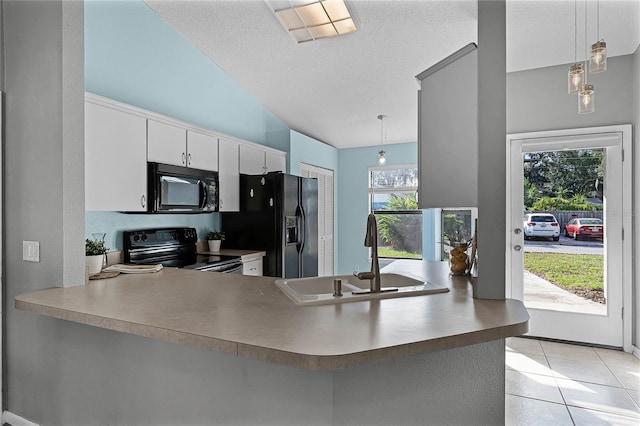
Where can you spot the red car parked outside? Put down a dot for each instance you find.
(589, 227)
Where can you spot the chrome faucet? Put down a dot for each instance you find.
(371, 240)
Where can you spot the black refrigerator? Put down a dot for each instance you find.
(278, 214)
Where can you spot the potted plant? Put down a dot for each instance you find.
(215, 238)
(95, 251)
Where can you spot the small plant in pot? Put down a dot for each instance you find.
(95, 251)
(215, 239)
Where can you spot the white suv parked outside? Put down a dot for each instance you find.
(541, 225)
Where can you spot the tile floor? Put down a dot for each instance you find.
(550, 383)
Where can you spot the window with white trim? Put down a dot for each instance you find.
(393, 199)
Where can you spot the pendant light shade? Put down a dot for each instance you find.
(586, 99)
(576, 76)
(381, 158)
(598, 62)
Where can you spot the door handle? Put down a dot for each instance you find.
(517, 231)
(517, 247)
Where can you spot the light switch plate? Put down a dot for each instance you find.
(31, 251)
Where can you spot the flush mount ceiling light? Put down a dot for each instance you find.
(313, 20)
(381, 153)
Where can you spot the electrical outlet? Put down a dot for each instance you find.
(31, 251)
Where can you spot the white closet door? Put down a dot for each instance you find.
(325, 215)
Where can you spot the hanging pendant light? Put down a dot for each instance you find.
(586, 99)
(576, 71)
(381, 153)
(587, 95)
(598, 62)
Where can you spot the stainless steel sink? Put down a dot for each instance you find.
(319, 290)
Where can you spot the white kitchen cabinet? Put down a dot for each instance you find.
(176, 145)
(202, 151)
(275, 162)
(229, 175)
(257, 161)
(252, 161)
(253, 267)
(166, 143)
(115, 160)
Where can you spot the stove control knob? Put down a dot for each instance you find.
(136, 238)
(144, 237)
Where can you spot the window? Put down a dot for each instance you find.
(457, 227)
(393, 199)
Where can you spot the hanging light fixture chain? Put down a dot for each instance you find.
(598, 20)
(586, 43)
(575, 31)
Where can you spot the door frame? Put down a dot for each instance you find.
(626, 211)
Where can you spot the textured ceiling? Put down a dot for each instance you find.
(333, 89)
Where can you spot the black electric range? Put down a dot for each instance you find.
(174, 247)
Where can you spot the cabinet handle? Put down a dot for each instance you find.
(183, 158)
(143, 201)
(189, 161)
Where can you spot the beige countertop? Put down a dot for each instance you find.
(249, 316)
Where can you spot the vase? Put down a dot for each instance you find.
(458, 259)
(214, 245)
(94, 263)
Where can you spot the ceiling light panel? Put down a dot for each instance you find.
(312, 14)
(336, 10)
(345, 26)
(312, 20)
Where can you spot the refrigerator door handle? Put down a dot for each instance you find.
(301, 228)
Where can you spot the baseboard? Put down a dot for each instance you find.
(636, 352)
(16, 420)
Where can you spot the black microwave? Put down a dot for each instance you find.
(176, 189)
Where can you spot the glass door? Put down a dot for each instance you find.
(565, 246)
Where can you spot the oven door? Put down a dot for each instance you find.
(228, 268)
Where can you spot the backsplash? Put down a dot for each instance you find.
(114, 223)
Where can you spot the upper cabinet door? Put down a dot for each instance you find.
(115, 160)
(202, 151)
(229, 176)
(166, 144)
(276, 162)
(251, 160)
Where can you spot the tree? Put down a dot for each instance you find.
(566, 173)
(401, 231)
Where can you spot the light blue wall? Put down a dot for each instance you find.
(114, 223)
(133, 56)
(353, 168)
(304, 149)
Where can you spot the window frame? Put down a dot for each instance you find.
(371, 191)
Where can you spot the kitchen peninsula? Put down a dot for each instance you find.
(393, 361)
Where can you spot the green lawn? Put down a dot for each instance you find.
(579, 271)
(389, 252)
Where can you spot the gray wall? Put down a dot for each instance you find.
(537, 100)
(43, 177)
(636, 201)
(491, 150)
